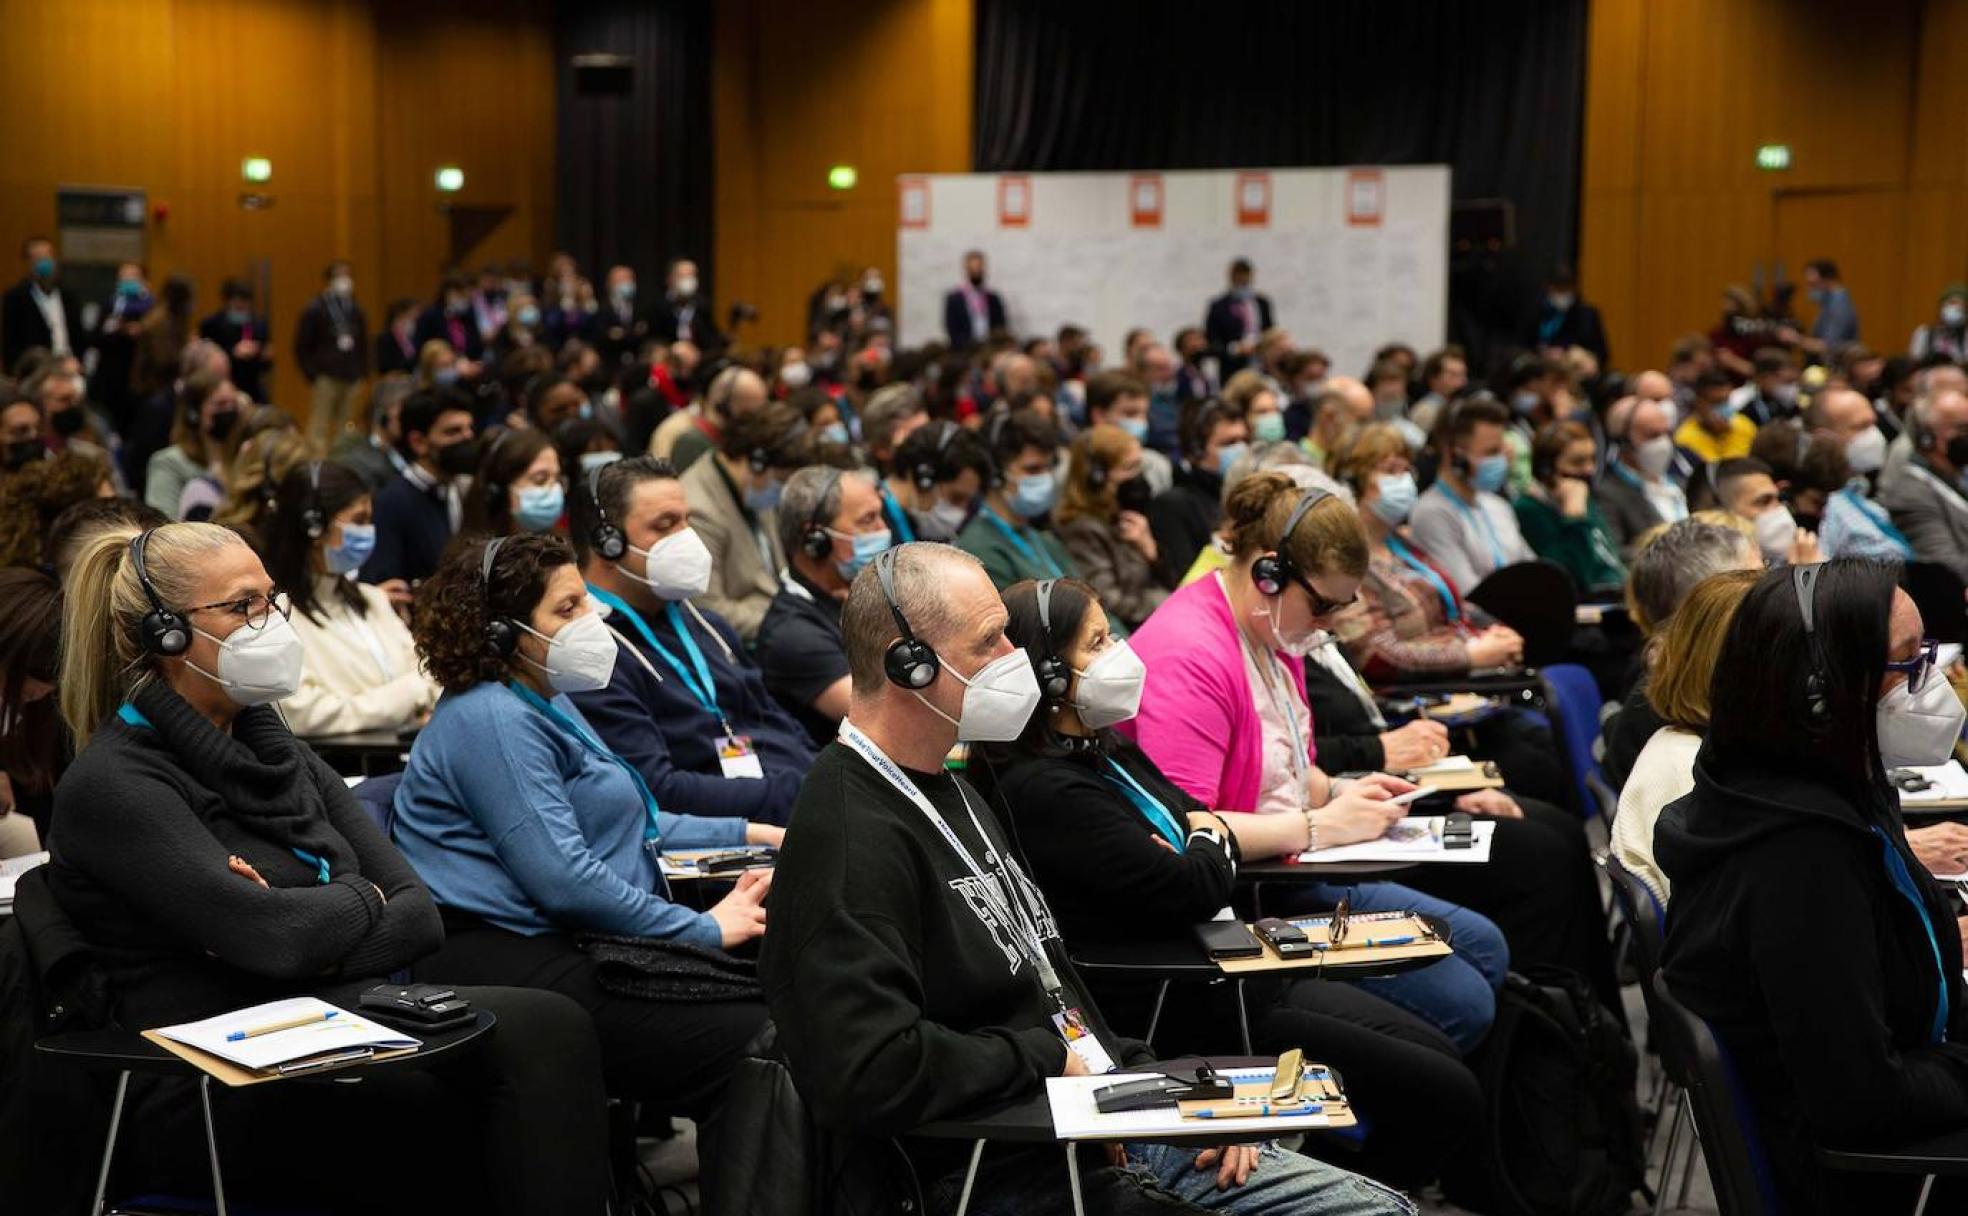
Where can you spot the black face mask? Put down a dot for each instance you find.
(222, 424)
(1957, 451)
(977, 280)
(458, 458)
(21, 453)
(1133, 495)
(68, 422)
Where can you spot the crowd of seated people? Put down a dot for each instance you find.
(603, 580)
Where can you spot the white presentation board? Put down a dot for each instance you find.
(1352, 258)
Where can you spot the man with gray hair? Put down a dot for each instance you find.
(830, 527)
(914, 971)
(1928, 495)
(1663, 573)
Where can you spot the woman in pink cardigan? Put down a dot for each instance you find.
(1223, 715)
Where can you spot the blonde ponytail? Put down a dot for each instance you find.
(102, 660)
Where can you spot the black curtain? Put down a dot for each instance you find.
(635, 169)
(1493, 88)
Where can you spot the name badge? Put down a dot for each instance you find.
(345, 342)
(1081, 1041)
(737, 759)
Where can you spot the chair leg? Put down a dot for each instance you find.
(1667, 1162)
(1926, 1189)
(1073, 1178)
(212, 1143)
(1688, 1164)
(1155, 1014)
(1243, 1016)
(109, 1141)
(970, 1177)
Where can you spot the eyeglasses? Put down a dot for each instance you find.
(1336, 928)
(1321, 606)
(255, 609)
(1919, 666)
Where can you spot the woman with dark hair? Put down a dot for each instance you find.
(210, 861)
(360, 668)
(518, 487)
(532, 834)
(586, 444)
(1074, 789)
(1804, 930)
(1103, 522)
(204, 436)
(33, 748)
(32, 498)
(1559, 516)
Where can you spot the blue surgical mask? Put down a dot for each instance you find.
(1492, 472)
(1524, 403)
(834, 432)
(1819, 295)
(1268, 428)
(765, 497)
(358, 542)
(867, 547)
(1228, 455)
(539, 507)
(446, 376)
(44, 268)
(239, 316)
(529, 315)
(1727, 410)
(1137, 428)
(590, 461)
(1033, 496)
(129, 289)
(1396, 497)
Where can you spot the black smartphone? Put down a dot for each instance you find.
(1457, 831)
(1286, 938)
(1227, 939)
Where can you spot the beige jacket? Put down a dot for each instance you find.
(358, 673)
(745, 560)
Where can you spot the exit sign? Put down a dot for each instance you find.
(1773, 157)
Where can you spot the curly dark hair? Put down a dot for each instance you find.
(32, 498)
(453, 605)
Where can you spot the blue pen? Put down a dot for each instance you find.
(1258, 1111)
(1406, 939)
(275, 1027)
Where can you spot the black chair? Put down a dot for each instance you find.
(1640, 932)
(1724, 1121)
(1936, 591)
(1536, 599)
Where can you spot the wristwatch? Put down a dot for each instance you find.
(1311, 831)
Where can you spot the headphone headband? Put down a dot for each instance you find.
(500, 636)
(816, 539)
(1804, 582)
(1274, 570)
(1055, 675)
(908, 662)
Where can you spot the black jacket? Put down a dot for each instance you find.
(318, 346)
(249, 375)
(956, 318)
(436, 325)
(1183, 518)
(1788, 934)
(22, 326)
(1223, 327)
(1346, 739)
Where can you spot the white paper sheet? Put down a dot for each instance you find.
(1416, 838)
(339, 1033)
(1075, 1118)
(1947, 781)
(11, 870)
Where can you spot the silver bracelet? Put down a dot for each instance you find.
(1311, 832)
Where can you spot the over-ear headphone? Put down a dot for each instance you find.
(1273, 572)
(1817, 697)
(1096, 473)
(815, 539)
(1055, 674)
(1921, 434)
(760, 459)
(267, 486)
(604, 537)
(996, 479)
(162, 631)
(927, 473)
(501, 638)
(314, 521)
(909, 662)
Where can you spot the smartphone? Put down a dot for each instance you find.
(1227, 939)
(1284, 1082)
(1284, 937)
(1419, 791)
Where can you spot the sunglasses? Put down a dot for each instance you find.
(1321, 606)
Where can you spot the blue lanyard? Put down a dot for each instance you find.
(1896, 871)
(1880, 520)
(1633, 479)
(134, 717)
(654, 831)
(1449, 605)
(697, 676)
(898, 517)
(1032, 552)
(1151, 807)
(1482, 520)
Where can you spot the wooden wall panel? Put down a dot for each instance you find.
(356, 102)
(1680, 93)
(799, 86)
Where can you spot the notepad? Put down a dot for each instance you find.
(10, 872)
(1415, 838)
(333, 1035)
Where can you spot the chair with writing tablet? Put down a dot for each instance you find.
(1537, 599)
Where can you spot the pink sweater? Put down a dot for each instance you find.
(1198, 721)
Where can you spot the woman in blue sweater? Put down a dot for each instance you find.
(530, 833)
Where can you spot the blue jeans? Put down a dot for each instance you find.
(1456, 995)
(1162, 1179)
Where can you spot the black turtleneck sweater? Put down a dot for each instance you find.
(149, 813)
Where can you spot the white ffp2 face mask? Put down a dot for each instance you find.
(580, 657)
(676, 567)
(997, 702)
(1919, 729)
(1776, 528)
(257, 666)
(1110, 687)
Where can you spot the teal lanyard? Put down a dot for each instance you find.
(1872, 511)
(697, 676)
(1633, 479)
(653, 832)
(897, 517)
(1151, 807)
(134, 717)
(1902, 880)
(1481, 519)
(1033, 553)
(1450, 608)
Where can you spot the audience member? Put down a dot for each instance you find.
(1119, 399)
(972, 312)
(34, 749)
(684, 704)
(1444, 376)
(1928, 499)
(1946, 336)
(419, 511)
(35, 312)
(252, 874)
(448, 319)
(519, 486)
(1564, 321)
(684, 313)
(375, 454)
(331, 347)
(1837, 322)
(1103, 523)
(1715, 429)
(203, 441)
(1185, 517)
(270, 446)
(1849, 524)
(1020, 493)
(241, 333)
(396, 343)
(1747, 489)
(1637, 492)
(734, 496)
(359, 669)
(1234, 320)
(32, 498)
(1771, 393)
(535, 837)
(1559, 514)
(1462, 521)
(831, 525)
